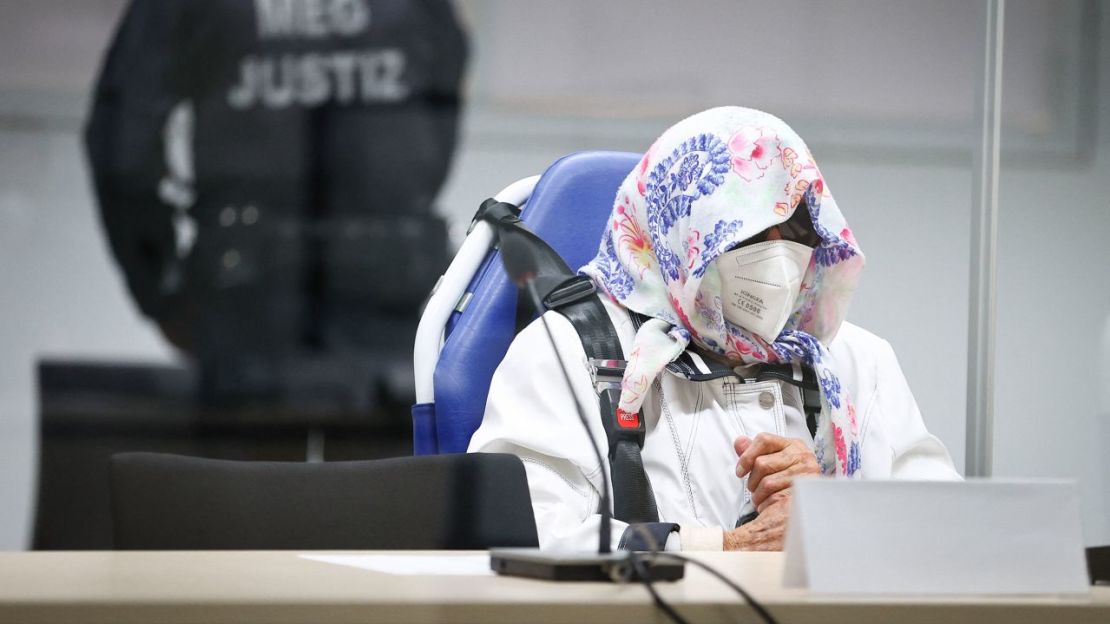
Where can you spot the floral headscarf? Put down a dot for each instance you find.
(708, 183)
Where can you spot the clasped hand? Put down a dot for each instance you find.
(771, 464)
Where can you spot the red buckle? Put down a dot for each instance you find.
(628, 420)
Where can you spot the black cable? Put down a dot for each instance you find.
(645, 575)
(762, 611)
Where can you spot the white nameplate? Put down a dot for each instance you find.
(918, 537)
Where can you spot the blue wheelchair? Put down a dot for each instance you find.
(469, 320)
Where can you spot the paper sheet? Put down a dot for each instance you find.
(443, 565)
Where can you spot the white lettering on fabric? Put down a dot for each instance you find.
(314, 78)
(312, 19)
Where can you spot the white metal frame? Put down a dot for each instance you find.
(984, 235)
(452, 287)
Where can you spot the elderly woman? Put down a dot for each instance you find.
(725, 252)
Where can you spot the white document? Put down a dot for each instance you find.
(917, 537)
(445, 565)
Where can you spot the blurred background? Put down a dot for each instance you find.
(883, 91)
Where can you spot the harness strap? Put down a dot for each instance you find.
(633, 500)
(575, 297)
(803, 377)
(551, 269)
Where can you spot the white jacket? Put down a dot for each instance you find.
(691, 425)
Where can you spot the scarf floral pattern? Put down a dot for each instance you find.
(708, 183)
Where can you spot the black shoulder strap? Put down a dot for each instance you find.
(575, 297)
(551, 269)
(633, 500)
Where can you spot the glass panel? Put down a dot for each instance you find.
(252, 182)
(1053, 360)
(881, 91)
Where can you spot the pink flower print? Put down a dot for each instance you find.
(631, 239)
(682, 316)
(799, 190)
(753, 150)
(788, 157)
(781, 208)
(641, 179)
(761, 350)
(622, 210)
(735, 348)
(641, 175)
(632, 388)
(790, 162)
(693, 249)
(852, 414)
(841, 448)
(847, 235)
(634, 383)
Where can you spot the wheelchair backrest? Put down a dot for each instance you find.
(568, 208)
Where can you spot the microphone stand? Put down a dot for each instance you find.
(604, 539)
(521, 265)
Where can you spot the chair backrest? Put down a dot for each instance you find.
(172, 502)
(568, 208)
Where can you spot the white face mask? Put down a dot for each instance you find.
(760, 284)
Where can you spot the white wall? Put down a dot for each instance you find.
(898, 168)
(1052, 402)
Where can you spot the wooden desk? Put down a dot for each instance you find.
(279, 587)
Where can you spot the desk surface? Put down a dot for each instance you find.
(280, 587)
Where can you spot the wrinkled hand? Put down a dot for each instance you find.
(772, 463)
(765, 532)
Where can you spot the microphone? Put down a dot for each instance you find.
(522, 266)
(520, 256)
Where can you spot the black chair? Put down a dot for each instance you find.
(172, 502)
(1098, 565)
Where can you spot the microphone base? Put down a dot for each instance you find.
(582, 566)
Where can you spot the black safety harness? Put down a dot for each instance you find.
(575, 297)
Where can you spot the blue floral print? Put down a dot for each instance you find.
(830, 387)
(853, 458)
(714, 242)
(793, 345)
(833, 248)
(694, 169)
(613, 273)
